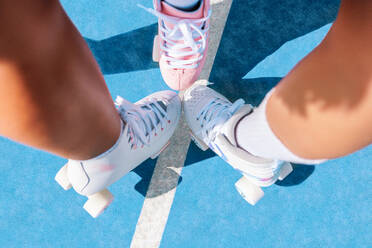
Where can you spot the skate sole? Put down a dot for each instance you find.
(250, 191)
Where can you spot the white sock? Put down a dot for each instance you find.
(254, 135)
(184, 4)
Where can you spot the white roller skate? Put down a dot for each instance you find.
(212, 119)
(148, 126)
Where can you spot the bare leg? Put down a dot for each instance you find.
(53, 95)
(323, 108)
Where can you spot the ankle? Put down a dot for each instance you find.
(99, 143)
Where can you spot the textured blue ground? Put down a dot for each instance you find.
(323, 206)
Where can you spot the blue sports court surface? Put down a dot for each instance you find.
(187, 198)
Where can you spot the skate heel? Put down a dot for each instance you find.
(161, 150)
(62, 178)
(156, 49)
(285, 171)
(249, 191)
(98, 202)
(199, 142)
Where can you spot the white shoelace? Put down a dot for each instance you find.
(214, 114)
(142, 120)
(188, 37)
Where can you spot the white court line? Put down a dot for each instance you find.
(162, 188)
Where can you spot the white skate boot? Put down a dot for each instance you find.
(212, 119)
(148, 126)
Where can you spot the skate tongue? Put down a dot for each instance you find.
(172, 11)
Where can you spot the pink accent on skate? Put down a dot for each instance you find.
(182, 78)
(106, 168)
(266, 179)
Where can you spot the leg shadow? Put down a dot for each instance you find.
(256, 29)
(299, 174)
(126, 52)
(145, 171)
(195, 154)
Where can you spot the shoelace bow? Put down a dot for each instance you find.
(142, 120)
(188, 37)
(214, 114)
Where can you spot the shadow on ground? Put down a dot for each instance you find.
(256, 29)
(126, 52)
(300, 173)
(146, 170)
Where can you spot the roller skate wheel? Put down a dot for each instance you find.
(199, 142)
(285, 171)
(98, 202)
(156, 49)
(62, 178)
(249, 191)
